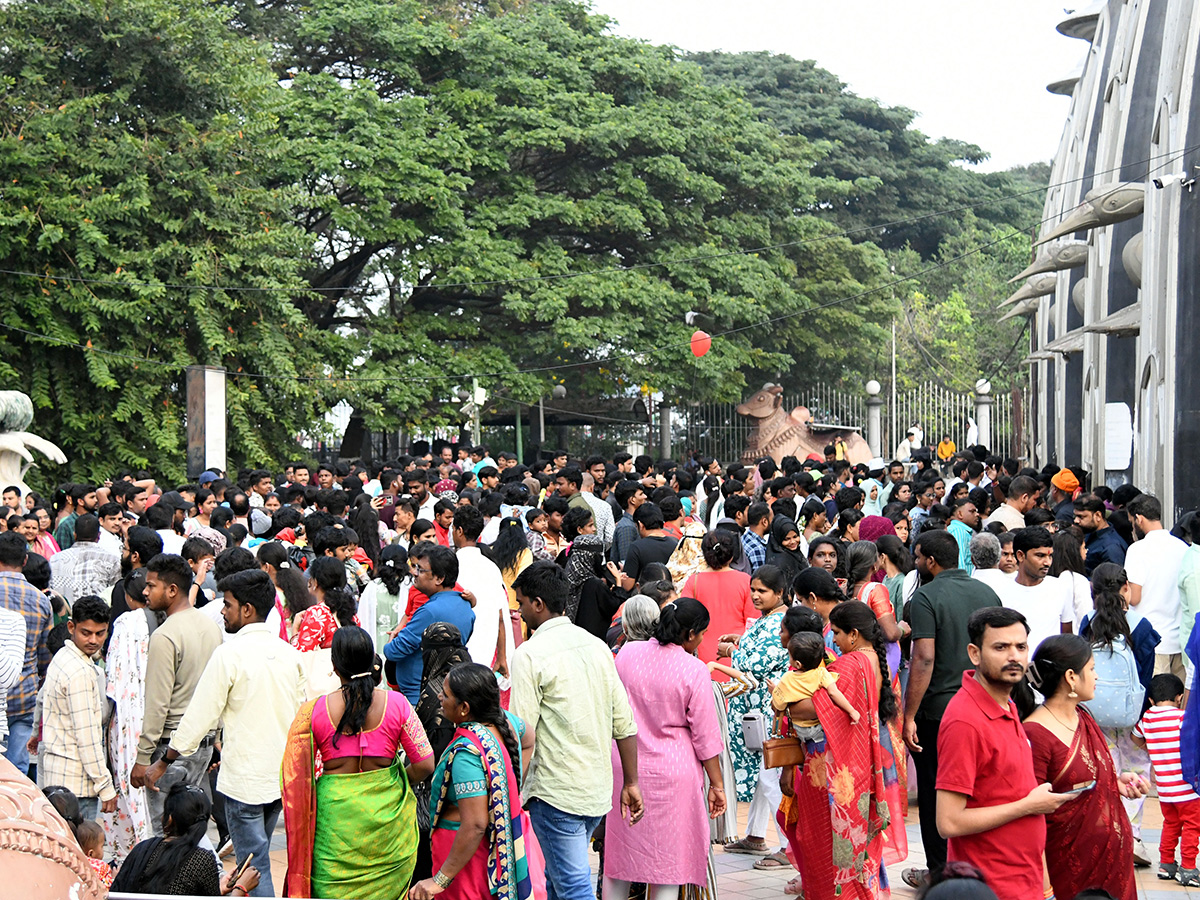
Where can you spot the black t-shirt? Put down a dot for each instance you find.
(651, 549)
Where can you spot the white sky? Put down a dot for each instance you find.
(975, 70)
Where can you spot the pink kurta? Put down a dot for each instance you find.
(672, 699)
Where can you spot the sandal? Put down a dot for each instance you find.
(794, 888)
(777, 860)
(751, 848)
(915, 878)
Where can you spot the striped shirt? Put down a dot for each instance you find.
(1160, 730)
(20, 596)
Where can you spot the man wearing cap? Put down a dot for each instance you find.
(1063, 488)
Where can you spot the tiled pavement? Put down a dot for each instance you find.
(739, 880)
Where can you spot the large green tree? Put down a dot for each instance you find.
(953, 234)
(139, 149)
(530, 197)
(898, 174)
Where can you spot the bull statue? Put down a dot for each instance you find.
(777, 433)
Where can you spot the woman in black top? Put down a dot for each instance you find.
(175, 863)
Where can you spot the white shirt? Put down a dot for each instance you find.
(1153, 563)
(172, 541)
(479, 575)
(994, 578)
(491, 531)
(603, 517)
(1082, 593)
(255, 686)
(426, 509)
(12, 657)
(1045, 607)
(110, 542)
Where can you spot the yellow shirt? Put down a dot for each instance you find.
(797, 685)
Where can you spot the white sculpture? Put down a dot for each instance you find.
(16, 414)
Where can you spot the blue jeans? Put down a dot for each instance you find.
(250, 827)
(564, 837)
(89, 807)
(19, 730)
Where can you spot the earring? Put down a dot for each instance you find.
(1072, 695)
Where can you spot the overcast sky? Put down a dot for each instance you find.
(972, 70)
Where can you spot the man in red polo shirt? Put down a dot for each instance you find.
(989, 805)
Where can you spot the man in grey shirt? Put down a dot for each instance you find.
(179, 650)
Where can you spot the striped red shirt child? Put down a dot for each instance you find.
(1158, 732)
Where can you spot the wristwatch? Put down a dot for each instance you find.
(441, 880)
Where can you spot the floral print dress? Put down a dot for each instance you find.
(761, 654)
(125, 668)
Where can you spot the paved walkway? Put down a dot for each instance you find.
(738, 879)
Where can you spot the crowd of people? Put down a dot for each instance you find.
(453, 675)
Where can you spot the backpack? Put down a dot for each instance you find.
(300, 557)
(1119, 693)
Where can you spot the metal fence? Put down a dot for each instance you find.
(715, 429)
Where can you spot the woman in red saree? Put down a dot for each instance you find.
(1089, 841)
(843, 819)
(864, 562)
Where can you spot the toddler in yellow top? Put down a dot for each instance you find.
(807, 676)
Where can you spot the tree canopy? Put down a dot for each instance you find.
(370, 201)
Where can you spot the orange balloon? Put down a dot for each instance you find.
(700, 343)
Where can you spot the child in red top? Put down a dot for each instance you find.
(1158, 732)
(91, 841)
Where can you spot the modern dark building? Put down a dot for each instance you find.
(1114, 292)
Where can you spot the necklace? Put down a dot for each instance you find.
(1060, 721)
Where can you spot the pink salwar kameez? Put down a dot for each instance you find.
(671, 695)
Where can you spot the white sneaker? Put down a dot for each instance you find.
(1141, 856)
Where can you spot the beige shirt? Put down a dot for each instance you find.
(73, 707)
(179, 650)
(1008, 517)
(255, 685)
(565, 686)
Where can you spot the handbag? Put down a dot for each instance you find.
(754, 730)
(784, 748)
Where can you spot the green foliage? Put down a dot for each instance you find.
(137, 138)
(430, 190)
(894, 171)
(949, 331)
(445, 168)
(880, 170)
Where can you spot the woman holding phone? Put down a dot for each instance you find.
(1089, 841)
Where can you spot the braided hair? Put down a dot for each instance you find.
(354, 660)
(476, 686)
(854, 615)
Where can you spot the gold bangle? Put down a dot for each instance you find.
(441, 880)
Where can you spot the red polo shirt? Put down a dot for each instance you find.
(983, 753)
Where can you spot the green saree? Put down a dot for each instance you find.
(361, 827)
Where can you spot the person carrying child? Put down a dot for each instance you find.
(1158, 733)
(807, 676)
